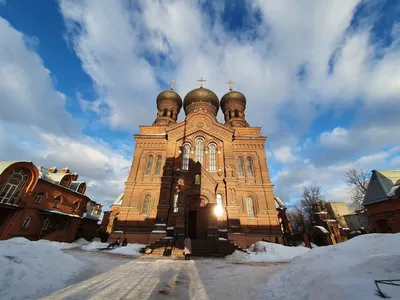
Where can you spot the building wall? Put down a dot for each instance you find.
(385, 213)
(337, 210)
(356, 221)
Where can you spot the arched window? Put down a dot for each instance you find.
(158, 165)
(240, 166)
(218, 209)
(199, 150)
(10, 192)
(57, 202)
(46, 224)
(219, 199)
(38, 198)
(26, 222)
(171, 113)
(186, 157)
(176, 198)
(165, 114)
(250, 207)
(249, 166)
(75, 206)
(197, 179)
(236, 113)
(213, 157)
(149, 164)
(146, 205)
(230, 114)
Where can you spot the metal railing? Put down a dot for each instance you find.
(393, 282)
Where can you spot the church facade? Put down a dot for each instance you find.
(198, 177)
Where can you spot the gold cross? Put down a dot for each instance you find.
(230, 82)
(172, 82)
(201, 81)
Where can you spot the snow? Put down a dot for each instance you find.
(268, 252)
(322, 229)
(130, 249)
(342, 271)
(31, 269)
(94, 246)
(158, 231)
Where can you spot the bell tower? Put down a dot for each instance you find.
(169, 103)
(233, 105)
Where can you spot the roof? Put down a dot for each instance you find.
(279, 203)
(6, 163)
(52, 177)
(75, 185)
(53, 211)
(381, 185)
(119, 199)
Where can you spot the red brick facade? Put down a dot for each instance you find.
(385, 215)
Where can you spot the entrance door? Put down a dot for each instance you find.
(192, 224)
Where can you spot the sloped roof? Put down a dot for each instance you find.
(6, 163)
(380, 185)
(75, 185)
(279, 203)
(52, 177)
(119, 199)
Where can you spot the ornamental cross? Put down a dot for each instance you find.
(172, 82)
(201, 81)
(230, 82)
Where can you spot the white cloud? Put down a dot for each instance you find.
(284, 155)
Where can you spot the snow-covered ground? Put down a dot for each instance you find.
(268, 252)
(343, 271)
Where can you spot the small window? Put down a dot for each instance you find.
(158, 165)
(186, 157)
(75, 206)
(66, 226)
(219, 199)
(146, 205)
(240, 166)
(213, 157)
(250, 207)
(200, 150)
(165, 112)
(171, 113)
(149, 164)
(57, 202)
(38, 198)
(176, 198)
(236, 113)
(249, 166)
(26, 222)
(197, 179)
(46, 224)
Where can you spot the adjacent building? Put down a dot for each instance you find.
(199, 177)
(40, 203)
(382, 201)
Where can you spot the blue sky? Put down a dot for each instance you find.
(322, 78)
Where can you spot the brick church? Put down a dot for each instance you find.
(199, 177)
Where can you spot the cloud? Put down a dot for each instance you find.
(284, 155)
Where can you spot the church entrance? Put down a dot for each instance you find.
(196, 223)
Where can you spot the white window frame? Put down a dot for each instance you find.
(250, 207)
(200, 150)
(38, 198)
(185, 157)
(146, 205)
(10, 192)
(176, 199)
(213, 157)
(26, 222)
(219, 199)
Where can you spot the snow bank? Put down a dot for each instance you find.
(29, 270)
(62, 246)
(94, 246)
(343, 271)
(268, 252)
(130, 249)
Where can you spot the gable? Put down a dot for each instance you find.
(378, 188)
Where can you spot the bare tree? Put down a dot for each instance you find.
(298, 221)
(358, 181)
(310, 197)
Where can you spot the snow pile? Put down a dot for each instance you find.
(62, 246)
(268, 252)
(32, 269)
(94, 246)
(343, 271)
(130, 249)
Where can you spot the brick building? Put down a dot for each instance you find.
(198, 177)
(39, 203)
(382, 201)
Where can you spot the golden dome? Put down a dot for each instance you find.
(232, 96)
(201, 95)
(169, 95)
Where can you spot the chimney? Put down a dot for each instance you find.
(74, 176)
(53, 170)
(65, 171)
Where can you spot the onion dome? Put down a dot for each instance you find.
(169, 97)
(201, 97)
(233, 96)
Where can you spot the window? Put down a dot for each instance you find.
(199, 150)
(10, 192)
(171, 113)
(75, 206)
(250, 207)
(165, 112)
(57, 202)
(230, 114)
(219, 199)
(26, 222)
(146, 205)
(240, 166)
(176, 198)
(218, 209)
(186, 156)
(158, 165)
(66, 226)
(46, 224)
(149, 164)
(249, 166)
(213, 157)
(236, 113)
(197, 179)
(38, 198)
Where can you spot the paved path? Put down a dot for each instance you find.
(174, 279)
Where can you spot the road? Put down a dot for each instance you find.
(151, 278)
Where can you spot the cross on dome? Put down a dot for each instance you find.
(201, 81)
(172, 82)
(230, 82)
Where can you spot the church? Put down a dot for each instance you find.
(199, 177)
